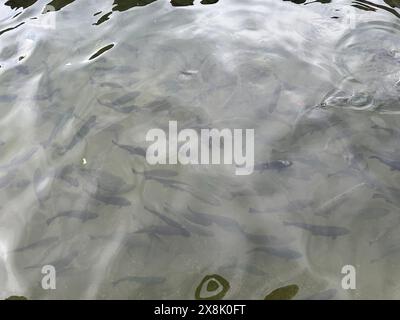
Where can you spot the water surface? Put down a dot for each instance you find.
(83, 81)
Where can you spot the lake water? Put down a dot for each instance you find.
(82, 82)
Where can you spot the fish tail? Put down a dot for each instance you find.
(50, 220)
(287, 223)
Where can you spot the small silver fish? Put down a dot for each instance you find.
(318, 230)
(37, 244)
(111, 200)
(76, 214)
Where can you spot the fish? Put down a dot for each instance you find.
(131, 150)
(387, 232)
(58, 126)
(194, 229)
(198, 218)
(284, 253)
(319, 230)
(283, 293)
(37, 244)
(169, 182)
(257, 211)
(292, 206)
(20, 159)
(60, 264)
(122, 109)
(206, 219)
(111, 200)
(140, 280)
(392, 250)
(264, 239)
(63, 174)
(158, 173)
(392, 164)
(169, 221)
(158, 106)
(164, 230)
(81, 134)
(373, 213)
(118, 103)
(105, 181)
(82, 215)
(209, 198)
(277, 165)
(323, 295)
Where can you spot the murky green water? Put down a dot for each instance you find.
(82, 82)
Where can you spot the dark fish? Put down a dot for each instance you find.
(323, 295)
(140, 280)
(168, 182)
(206, 219)
(318, 230)
(57, 128)
(40, 243)
(76, 214)
(373, 213)
(169, 221)
(264, 239)
(20, 159)
(273, 165)
(158, 173)
(111, 200)
(60, 264)
(64, 174)
(200, 218)
(208, 198)
(257, 211)
(392, 164)
(81, 134)
(105, 181)
(118, 104)
(118, 108)
(284, 253)
(164, 230)
(283, 293)
(392, 250)
(131, 150)
(157, 106)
